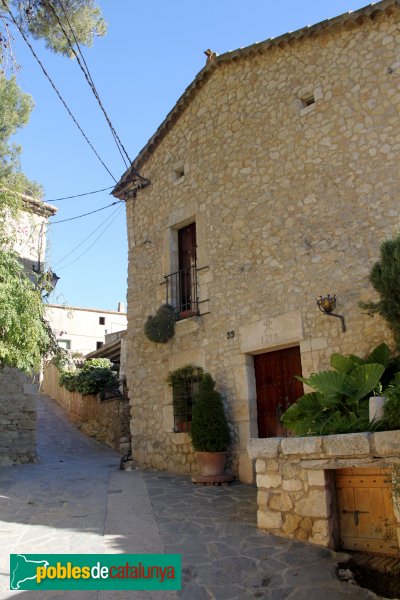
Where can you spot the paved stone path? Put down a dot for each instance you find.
(77, 501)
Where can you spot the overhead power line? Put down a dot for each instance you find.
(85, 239)
(55, 88)
(85, 70)
(116, 213)
(85, 214)
(80, 195)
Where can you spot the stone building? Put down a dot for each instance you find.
(17, 393)
(271, 182)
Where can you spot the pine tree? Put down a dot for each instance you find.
(385, 278)
(39, 18)
(25, 336)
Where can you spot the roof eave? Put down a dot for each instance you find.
(128, 186)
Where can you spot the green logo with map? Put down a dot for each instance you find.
(23, 569)
(95, 571)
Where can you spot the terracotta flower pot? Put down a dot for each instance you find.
(211, 463)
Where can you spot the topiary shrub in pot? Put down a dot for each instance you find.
(210, 433)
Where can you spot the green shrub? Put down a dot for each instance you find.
(96, 363)
(209, 431)
(161, 327)
(385, 278)
(94, 377)
(68, 380)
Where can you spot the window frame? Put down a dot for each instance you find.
(184, 394)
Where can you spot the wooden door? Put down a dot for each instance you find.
(187, 264)
(277, 388)
(365, 510)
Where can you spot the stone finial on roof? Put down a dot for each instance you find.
(210, 55)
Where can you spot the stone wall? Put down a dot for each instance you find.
(107, 421)
(295, 480)
(290, 203)
(17, 417)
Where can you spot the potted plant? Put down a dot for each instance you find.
(210, 433)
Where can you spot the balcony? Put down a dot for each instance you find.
(182, 292)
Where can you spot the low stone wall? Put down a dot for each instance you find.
(17, 417)
(107, 421)
(295, 479)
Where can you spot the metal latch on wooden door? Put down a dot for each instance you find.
(356, 513)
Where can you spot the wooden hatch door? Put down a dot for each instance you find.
(365, 509)
(277, 388)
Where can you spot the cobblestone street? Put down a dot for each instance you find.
(76, 500)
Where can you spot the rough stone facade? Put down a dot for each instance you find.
(295, 480)
(107, 421)
(17, 393)
(290, 202)
(17, 417)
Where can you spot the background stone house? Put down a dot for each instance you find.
(272, 181)
(17, 393)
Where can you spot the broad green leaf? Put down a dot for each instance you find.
(300, 417)
(380, 355)
(343, 364)
(303, 379)
(332, 401)
(364, 378)
(357, 359)
(310, 402)
(329, 382)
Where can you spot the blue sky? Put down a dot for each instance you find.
(151, 53)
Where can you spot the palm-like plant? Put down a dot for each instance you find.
(339, 403)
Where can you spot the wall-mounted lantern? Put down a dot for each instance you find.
(327, 305)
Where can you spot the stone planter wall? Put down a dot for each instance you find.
(295, 480)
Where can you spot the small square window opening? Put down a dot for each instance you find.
(99, 345)
(308, 101)
(102, 320)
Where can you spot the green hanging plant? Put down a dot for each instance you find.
(161, 327)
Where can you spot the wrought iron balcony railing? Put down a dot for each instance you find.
(182, 292)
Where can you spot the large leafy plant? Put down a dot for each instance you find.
(94, 377)
(339, 402)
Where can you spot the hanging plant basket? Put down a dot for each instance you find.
(161, 327)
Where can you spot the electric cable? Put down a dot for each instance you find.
(85, 214)
(85, 70)
(80, 195)
(85, 239)
(117, 211)
(55, 88)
